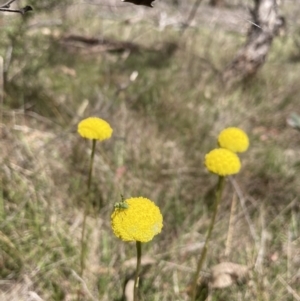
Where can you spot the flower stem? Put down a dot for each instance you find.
(137, 272)
(211, 226)
(86, 211)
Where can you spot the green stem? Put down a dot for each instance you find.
(205, 247)
(86, 211)
(137, 272)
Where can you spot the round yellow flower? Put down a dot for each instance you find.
(223, 162)
(94, 128)
(234, 139)
(139, 220)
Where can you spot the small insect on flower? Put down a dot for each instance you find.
(136, 219)
(121, 205)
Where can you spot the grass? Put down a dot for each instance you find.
(164, 123)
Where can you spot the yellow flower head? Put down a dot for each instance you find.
(136, 219)
(94, 128)
(223, 162)
(234, 139)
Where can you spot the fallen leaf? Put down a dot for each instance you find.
(128, 292)
(227, 273)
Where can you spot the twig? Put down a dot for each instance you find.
(284, 211)
(289, 288)
(83, 285)
(262, 248)
(7, 4)
(247, 217)
(191, 16)
(230, 227)
(289, 253)
(6, 8)
(21, 11)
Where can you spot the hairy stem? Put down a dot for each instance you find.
(137, 272)
(210, 229)
(86, 211)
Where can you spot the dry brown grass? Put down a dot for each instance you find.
(164, 122)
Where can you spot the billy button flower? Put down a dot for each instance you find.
(234, 139)
(222, 162)
(136, 219)
(95, 129)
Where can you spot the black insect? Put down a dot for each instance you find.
(141, 2)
